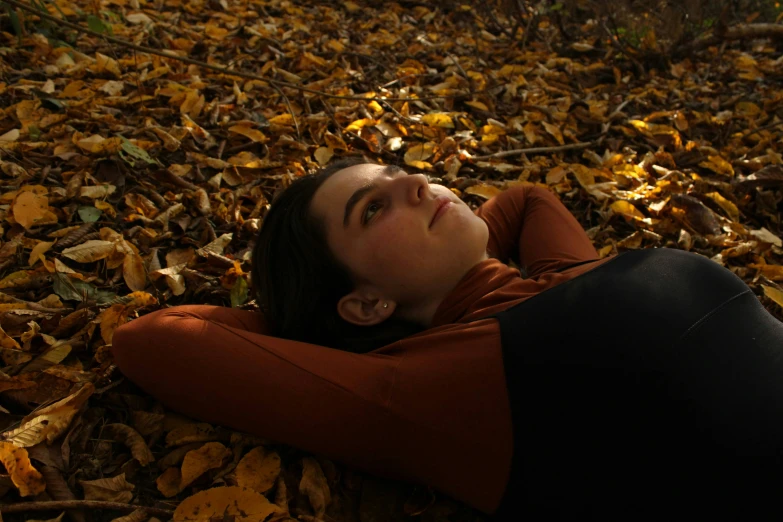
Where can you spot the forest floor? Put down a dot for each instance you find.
(132, 181)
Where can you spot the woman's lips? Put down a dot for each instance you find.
(444, 204)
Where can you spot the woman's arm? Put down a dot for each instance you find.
(530, 226)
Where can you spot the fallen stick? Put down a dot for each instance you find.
(59, 505)
(535, 150)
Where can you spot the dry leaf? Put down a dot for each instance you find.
(483, 190)
(314, 485)
(243, 504)
(199, 461)
(258, 470)
(90, 251)
(50, 422)
(115, 489)
(132, 439)
(25, 477)
(199, 432)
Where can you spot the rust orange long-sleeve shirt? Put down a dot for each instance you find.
(430, 409)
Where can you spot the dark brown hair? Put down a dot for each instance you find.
(298, 281)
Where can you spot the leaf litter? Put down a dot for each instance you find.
(132, 181)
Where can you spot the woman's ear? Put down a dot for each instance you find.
(363, 309)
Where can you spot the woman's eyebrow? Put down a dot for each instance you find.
(354, 199)
(388, 170)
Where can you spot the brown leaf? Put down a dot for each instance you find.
(139, 515)
(314, 485)
(90, 251)
(197, 432)
(258, 470)
(132, 439)
(114, 489)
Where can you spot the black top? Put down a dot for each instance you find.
(653, 375)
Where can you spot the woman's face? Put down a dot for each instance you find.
(406, 242)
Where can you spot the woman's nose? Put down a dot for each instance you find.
(418, 188)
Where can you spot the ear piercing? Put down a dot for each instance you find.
(386, 305)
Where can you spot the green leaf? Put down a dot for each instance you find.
(556, 7)
(98, 25)
(238, 292)
(129, 150)
(35, 132)
(89, 214)
(75, 290)
(15, 22)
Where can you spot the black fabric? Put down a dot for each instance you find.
(650, 388)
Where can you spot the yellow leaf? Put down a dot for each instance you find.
(114, 489)
(32, 209)
(483, 190)
(282, 120)
(554, 130)
(199, 461)
(240, 504)
(38, 252)
(419, 153)
(359, 124)
(774, 294)
(531, 132)
(248, 132)
(584, 175)
(105, 64)
(24, 476)
(773, 272)
(215, 32)
(50, 422)
(107, 208)
(90, 251)
(626, 209)
(730, 208)
(258, 470)
(134, 273)
(438, 119)
(718, 165)
(111, 319)
(746, 108)
(477, 105)
(323, 155)
(169, 481)
(334, 142)
(14, 279)
(351, 7)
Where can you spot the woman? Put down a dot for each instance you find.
(618, 387)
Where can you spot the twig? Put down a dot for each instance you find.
(763, 128)
(464, 74)
(240, 74)
(535, 150)
(58, 505)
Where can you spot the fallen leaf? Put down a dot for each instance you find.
(258, 470)
(114, 489)
(243, 504)
(313, 484)
(24, 476)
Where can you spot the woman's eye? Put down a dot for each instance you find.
(370, 211)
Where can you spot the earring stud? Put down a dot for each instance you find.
(386, 305)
